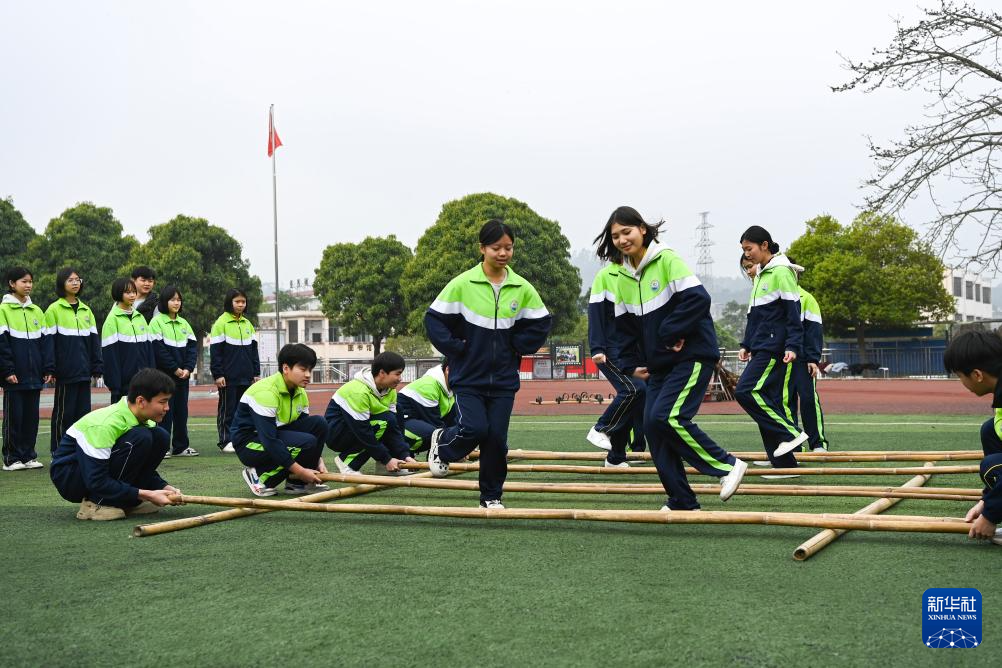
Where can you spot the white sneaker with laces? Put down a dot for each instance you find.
(14, 466)
(598, 439)
(493, 504)
(229, 449)
(789, 446)
(254, 483)
(438, 468)
(33, 464)
(620, 465)
(729, 483)
(187, 452)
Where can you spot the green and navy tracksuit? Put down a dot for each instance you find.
(175, 347)
(773, 327)
(25, 352)
(659, 303)
(484, 330)
(233, 356)
(362, 422)
(623, 418)
(425, 405)
(77, 354)
(991, 465)
(272, 428)
(126, 347)
(107, 456)
(801, 390)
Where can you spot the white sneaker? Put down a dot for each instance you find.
(493, 504)
(298, 488)
(819, 449)
(665, 508)
(998, 537)
(256, 486)
(598, 439)
(187, 452)
(620, 465)
(761, 462)
(228, 448)
(729, 483)
(14, 466)
(789, 446)
(33, 464)
(438, 468)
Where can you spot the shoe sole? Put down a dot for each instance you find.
(783, 476)
(726, 494)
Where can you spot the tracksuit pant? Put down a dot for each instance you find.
(760, 393)
(229, 397)
(417, 433)
(134, 460)
(991, 469)
(304, 438)
(673, 399)
(801, 393)
(20, 425)
(176, 420)
(623, 419)
(71, 402)
(480, 421)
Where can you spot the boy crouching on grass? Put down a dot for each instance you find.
(273, 433)
(107, 461)
(362, 419)
(975, 357)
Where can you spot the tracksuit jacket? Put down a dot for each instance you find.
(76, 344)
(265, 406)
(233, 350)
(484, 334)
(603, 336)
(659, 303)
(427, 399)
(25, 346)
(174, 344)
(359, 411)
(814, 338)
(773, 324)
(126, 346)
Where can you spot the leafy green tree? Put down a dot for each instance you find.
(451, 246)
(359, 287)
(88, 238)
(16, 236)
(873, 273)
(287, 301)
(731, 323)
(411, 346)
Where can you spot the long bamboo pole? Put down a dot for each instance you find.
(843, 456)
(829, 521)
(636, 470)
(630, 488)
(820, 541)
(236, 513)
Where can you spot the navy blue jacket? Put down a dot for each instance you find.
(76, 343)
(774, 324)
(25, 346)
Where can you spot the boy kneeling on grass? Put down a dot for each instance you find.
(107, 461)
(975, 356)
(273, 433)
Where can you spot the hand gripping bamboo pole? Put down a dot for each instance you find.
(820, 541)
(841, 456)
(637, 470)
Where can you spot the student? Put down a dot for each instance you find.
(146, 300)
(107, 461)
(76, 352)
(425, 405)
(25, 365)
(663, 315)
(801, 389)
(175, 350)
(274, 435)
(234, 361)
(484, 320)
(975, 356)
(362, 419)
(622, 422)
(773, 338)
(126, 345)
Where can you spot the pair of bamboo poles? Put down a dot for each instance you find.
(834, 525)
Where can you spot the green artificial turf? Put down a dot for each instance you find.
(293, 589)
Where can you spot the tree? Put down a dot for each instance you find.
(288, 301)
(359, 287)
(731, 323)
(411, 346)
(873, 273)
(88, 238)
(725, 338)
(16, 236)
(203, 261)
(953, 55)
(451, 246)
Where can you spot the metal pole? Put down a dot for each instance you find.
(274, 191)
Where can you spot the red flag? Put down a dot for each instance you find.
(273, 141)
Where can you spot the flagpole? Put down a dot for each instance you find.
(274, 199)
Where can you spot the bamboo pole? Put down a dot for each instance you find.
(630, 488)
(637, 470)
(829, 521)
(820, 541)
(226, 515)
(844, 456)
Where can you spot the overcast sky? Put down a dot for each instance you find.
(389, 109)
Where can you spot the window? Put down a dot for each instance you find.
(958, 318)
(293, 331)
(970, 289)
(350, 347)
(315, 337)
(957, 286)
(970, 318)
(331, 333)
(986, 295)
(977, 292)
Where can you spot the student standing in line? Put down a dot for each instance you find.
(25, 366)
(802, 376)
(234, 361)
(76, 352)
(175, 350)
(484, 320)
(125, 340)
(663, 311)
(146, 301)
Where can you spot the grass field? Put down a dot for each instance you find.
(320, 589)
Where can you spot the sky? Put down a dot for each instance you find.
(387, 110)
